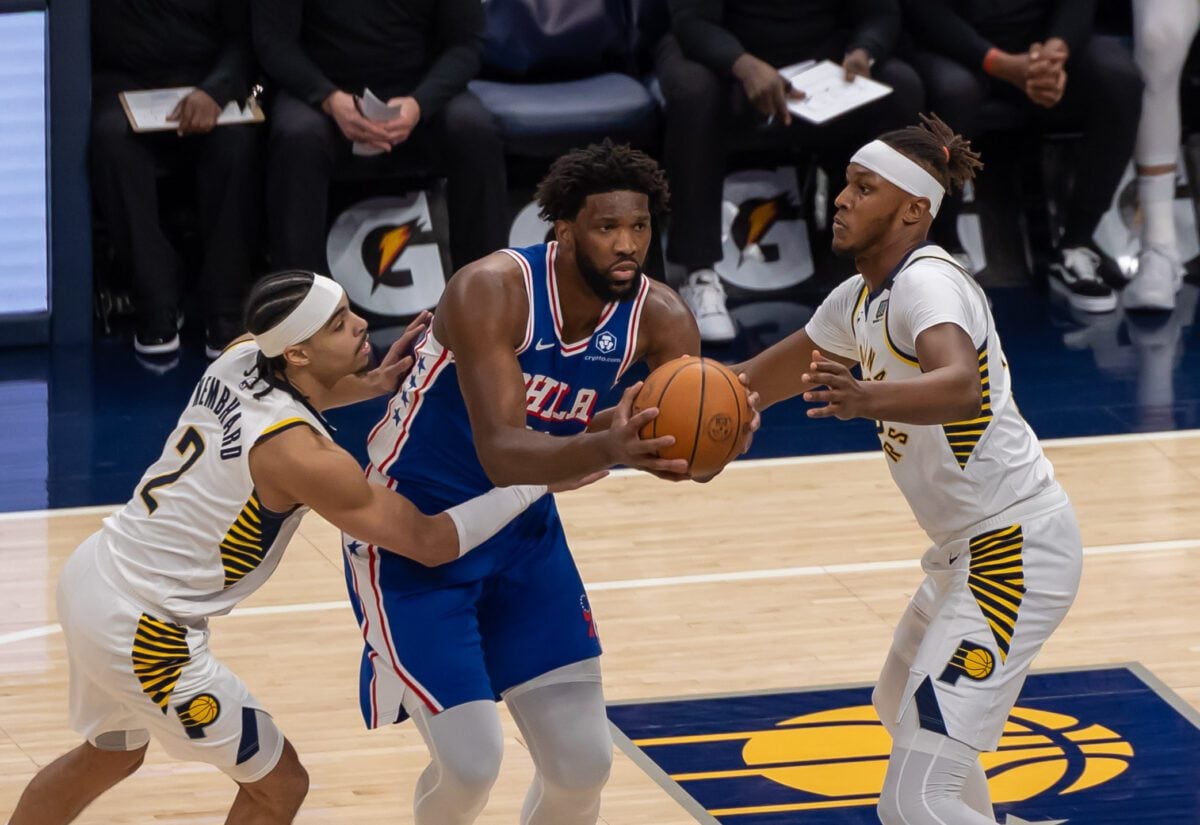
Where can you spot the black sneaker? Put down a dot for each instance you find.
(157, 333)
(218, 333)
(1077, 275)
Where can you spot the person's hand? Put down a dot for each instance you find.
(395, 366)
(765, 87)
(400, 126)
(1046, 79)
(857, 63)
(342, 107)
(624, 445)
(1011, 68)
(844, 396)
(570, 484)
(196, 113)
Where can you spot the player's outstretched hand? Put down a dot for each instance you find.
(844, 396)
(398, 361)
(626, 446)
(570, 484)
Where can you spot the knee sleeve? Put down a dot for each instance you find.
(926, 777)
(466, 746)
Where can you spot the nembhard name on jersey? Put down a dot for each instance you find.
(219, 398)
(544, 397)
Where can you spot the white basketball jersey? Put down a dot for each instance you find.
(953, 475)
(194, 540)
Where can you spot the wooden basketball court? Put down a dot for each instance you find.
(780, 574)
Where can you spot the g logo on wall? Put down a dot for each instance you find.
(765, 241)
(384, 253)
(528, 229)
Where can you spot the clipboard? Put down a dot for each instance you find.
(147, 109)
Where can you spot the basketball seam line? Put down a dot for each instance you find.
(738, 428)
(699, 417)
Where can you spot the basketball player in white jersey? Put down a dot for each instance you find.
(205, 528)
(1005, 562)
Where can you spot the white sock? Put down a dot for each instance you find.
(1156, 193)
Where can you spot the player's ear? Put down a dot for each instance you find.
(915, 209)
(297, 356)
(564, 232)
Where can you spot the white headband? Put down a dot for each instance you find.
(894, 166)
(305, 320)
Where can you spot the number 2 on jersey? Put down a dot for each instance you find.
(190, 440)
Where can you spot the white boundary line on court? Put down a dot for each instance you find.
(676, 581)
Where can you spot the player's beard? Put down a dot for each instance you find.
(601, 285)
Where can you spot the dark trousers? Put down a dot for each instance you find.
(1103, 99)
(707, 114)
(125, 172)
(307, 150)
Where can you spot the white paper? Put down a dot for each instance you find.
(826, 92)
(149, 109)
(373, 108)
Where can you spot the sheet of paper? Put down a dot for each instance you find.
(373, 108)
(147, 110)
(826, 92)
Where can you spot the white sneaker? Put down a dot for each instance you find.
(1159, 277)
(705, 297)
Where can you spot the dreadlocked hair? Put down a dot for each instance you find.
(596, 169)
(269, 302)
(935, 146)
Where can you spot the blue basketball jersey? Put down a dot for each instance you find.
(424, 448)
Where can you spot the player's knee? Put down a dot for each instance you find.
(583, 770)
(474, 776)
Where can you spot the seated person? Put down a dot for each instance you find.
(719, 74)
(417, 55)
(1043, 57)
(147, 44)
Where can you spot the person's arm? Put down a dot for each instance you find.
(776, 373)
(229, 78)
(876, 27)
(1072, 22)
(276, 32)
(493, 387)
(298, 466)
(697, 25)
(943, 30)
(948, 389)
(459, 27)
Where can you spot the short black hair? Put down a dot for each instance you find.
(934, 145)
(595, 169)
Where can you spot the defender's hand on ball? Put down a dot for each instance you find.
(626, 447)
(844, 395)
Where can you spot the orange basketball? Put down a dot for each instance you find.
(704, 405)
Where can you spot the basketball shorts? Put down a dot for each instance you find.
(135, 673)
(524, 614)
(987, 605)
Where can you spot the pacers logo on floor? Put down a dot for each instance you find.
(1093, 738)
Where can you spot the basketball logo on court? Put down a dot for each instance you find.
(970, 660)
(198, 713)
(720, 427)
(1081, 746)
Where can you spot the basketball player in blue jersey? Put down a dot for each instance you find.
(209, 522)
(1006, 556)
(504, 391)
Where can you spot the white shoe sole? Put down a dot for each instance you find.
(165, 348)
(1086, 303)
